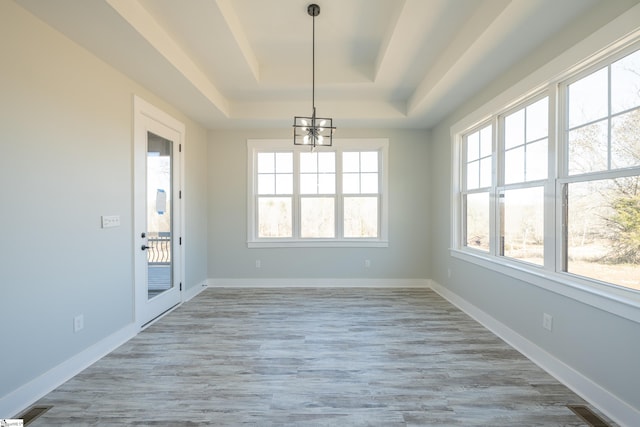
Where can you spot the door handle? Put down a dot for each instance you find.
(146, 247)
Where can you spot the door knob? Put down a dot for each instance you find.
(146, 247)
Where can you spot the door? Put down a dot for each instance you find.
(158, 207)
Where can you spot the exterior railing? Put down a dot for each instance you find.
(159, 249)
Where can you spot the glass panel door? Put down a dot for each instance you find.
(159, 215)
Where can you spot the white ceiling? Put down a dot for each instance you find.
(247, 63)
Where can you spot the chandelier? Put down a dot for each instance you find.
(313, 131)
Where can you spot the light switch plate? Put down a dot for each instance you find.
(110, 221)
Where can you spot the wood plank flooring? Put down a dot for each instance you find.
(313, 357)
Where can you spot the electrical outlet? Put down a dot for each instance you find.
(449, 273)
(78, 323)
(258, 263)
(367, 263)
(547, 321)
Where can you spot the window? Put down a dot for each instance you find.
(477, 182)
(275, 194)
(564, 194)
(317, 194)
(332, 196)
(524, 148)
(360, 184)
(601, 178)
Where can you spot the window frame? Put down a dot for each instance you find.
(623, 301)
(254, 146)
(489, 190)
(501, 186)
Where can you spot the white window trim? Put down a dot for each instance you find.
(603, 43)
(339, 145)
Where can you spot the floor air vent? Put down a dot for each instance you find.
(32, 413)
(588, 416)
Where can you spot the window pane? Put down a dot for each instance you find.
(369, 161)
(625, 140)
(625, 83)
(473, 175)
(477, 221)
(308, 162)
(284, 162)
(588, 150)
(485, 147)
(360, 217)
(266, 163)
(369, 183)
(317, 217)
(514, 129)
(351, 162)
(537, 164)
(485, 172)
(538, 120)
(523, 226)
(485, 140)
(326, 162)
(514, 165)
(603, 240)
(351, 183)
(284, 184)
(274, 217)
(473, 146)
(588, 98)
(327, 184)
(266, 184)
(308, 183)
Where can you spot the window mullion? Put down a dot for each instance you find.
(339, 206)
(495, 219)
(552, 221)
(609, 118)
(296, 198)
(499, 180)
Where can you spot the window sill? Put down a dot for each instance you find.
(610, 298)
(318, 244)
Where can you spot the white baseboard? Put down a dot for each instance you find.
(610, 405)
(317, 283)
(191, 292)
(20, 399)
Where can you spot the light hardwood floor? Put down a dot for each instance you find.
(325, 357)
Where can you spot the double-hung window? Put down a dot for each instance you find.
(477, 182)
(331, 196)
(600, 180)
(553, 182)
(523, 143)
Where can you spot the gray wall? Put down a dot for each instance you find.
(229, 257)
(65, 160)
(600, 345)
